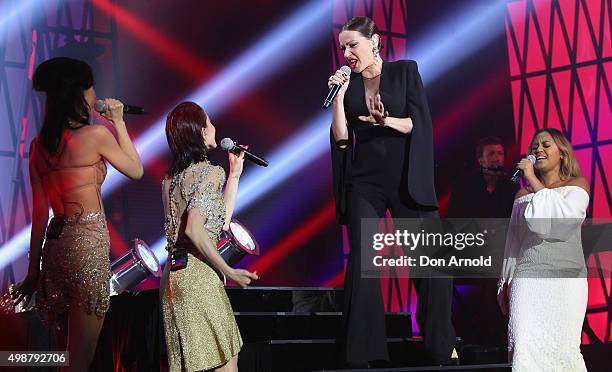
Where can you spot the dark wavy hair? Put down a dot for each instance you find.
(63, 80)
(184, 134)
(364, 26)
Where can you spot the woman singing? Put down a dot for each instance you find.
(382, 154)
(543, 284)
(201, 332)
(67, 169)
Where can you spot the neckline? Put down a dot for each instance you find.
(531, 194)
(363, 87)
(382, 70)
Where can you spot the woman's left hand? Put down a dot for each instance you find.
(236, 162)
(378, 115)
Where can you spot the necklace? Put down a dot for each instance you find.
(370, 78)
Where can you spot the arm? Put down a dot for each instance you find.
(339, 127)
(196, 232)
(121, 152)
(40, 217)
(200, 239)
(231, 186)
(556, 216)
(402, 125)
(514, 241)
(378, 116)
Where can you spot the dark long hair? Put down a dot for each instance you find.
(63, 80)
(364, 26)
(184, 134)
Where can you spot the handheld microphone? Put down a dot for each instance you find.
(333, 91)
(519, 172)
(497, 170)
(229, 145)
(100, 106)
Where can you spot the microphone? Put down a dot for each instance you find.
(333, 91)
(519, 172)
(496, 171)
(229, 145)
(100, 106)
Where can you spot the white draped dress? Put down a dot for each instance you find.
(545, 271)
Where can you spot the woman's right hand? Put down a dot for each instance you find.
(339, 78)
(25, 290)
(242, 277)
(114, 111)
(502, 299)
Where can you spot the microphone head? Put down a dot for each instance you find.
(531, 158)
(100, 106)
(227, 144)
(346, 70)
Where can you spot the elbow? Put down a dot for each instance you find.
(191, 225)
(138, 173)
(190, 232)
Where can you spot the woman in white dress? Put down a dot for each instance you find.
(543, 286)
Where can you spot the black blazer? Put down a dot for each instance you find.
(400, 77)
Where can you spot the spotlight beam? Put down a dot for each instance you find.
(231, 84)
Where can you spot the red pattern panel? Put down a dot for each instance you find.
(560, 58)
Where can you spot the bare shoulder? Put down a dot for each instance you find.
(522, 192)
(98, 131)
(579, 182)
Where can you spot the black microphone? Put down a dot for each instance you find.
(333, 91)
(229, 145)
(100, 106)
(519, 172)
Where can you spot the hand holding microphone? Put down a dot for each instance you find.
(111, 109)
(108, 104)
(229, 145)
(338, 84)
(236, 162)
(524, 168)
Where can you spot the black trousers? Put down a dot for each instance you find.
(364, 337)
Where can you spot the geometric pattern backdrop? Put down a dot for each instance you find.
(560, 58)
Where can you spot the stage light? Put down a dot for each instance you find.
(133, 267)
(472, 30)
(234, 81)
(236, 243)
(241, 76)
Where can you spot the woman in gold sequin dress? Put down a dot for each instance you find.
(67, 169)
(201, 332)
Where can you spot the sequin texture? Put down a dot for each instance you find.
(75, 267)
(201, 332)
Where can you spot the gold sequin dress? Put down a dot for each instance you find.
(199, 324)
(76, 264)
